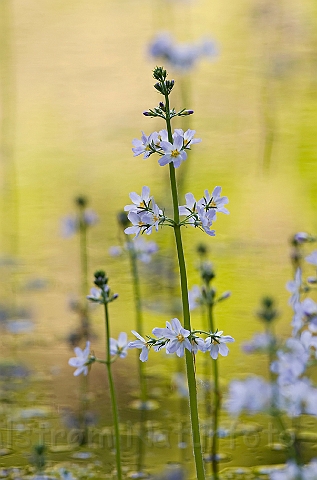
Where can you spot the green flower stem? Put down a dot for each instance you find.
(191, 379)
(216, 406)
(113, 396)
(138, 315)
(83, 255)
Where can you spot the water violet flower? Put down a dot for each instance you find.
(119, 347)
(217, 345)
(177, 336)
(173, 152)
(81, 361)
(312, 258)
(141, 343)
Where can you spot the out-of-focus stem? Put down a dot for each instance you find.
(216, 406)
(114, 405)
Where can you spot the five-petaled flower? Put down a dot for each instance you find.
(173, 152)
(81, 361)
(217, 344)
(140, 343)
(119, 347)
(177, 336)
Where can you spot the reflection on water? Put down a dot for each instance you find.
(72, 89)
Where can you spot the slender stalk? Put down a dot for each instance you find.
(138, 316)
(141, 365)
(114, 406)
(83, 254)
(191, 379)
(216, 406)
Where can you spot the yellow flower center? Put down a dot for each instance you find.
(142, 204)
(213, 204)
(174, 153)
(180, 337)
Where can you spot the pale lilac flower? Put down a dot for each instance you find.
(177, 336)
(155, 217)
(80, 362)
(70, 224)
(115, 251)
(251, 396)
(290, 365)
(261, 342)
(140, 343)
(218, 346)
(298, 398)
(291, 472)
(301, 237)
(206, 219)
(294, 286)
(173, 152)
(119, 347)
(190, 207)
(180, 382)
(181, 56)
(297, 321)
(309, 310)
(140, 202)
(312, 258)
(188, 137)
(96, 294)
(144, 145)
(214, 201)
(140, 223)
(198, 344)
(143, 249)
(161, 137)
(194, 297)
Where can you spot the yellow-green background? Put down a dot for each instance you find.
(75, 79)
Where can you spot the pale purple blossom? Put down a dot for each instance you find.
(96, 294)
(177, 336)
(250, 396)
(190, 207)
(146, 145)
(141, 222)
(301, 237)
(294, 286)
(312, 258)
(205, 220)
(141, 343)
(188, 137)
(140, 202)
(218, 345)
(173, 152)
(214, 201)
(194, 297)
(143, 249)
(119, 347)
(71, 223)
(181, 56)
(80, 362)
(260, 342)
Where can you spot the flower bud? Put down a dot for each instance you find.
(188, 112)
(100, 279)
(123, 220)
(146, 114)
(81, 201)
